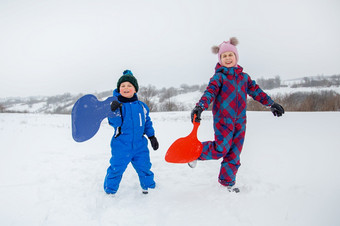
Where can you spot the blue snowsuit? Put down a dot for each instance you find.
(129, 144)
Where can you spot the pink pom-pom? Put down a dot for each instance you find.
(215, 49)
(233, 41)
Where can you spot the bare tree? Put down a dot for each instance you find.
(147, 94)
(270, 83)
(2, 108)
(303, 101)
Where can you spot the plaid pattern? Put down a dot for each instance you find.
(227, 145)
(228, 90)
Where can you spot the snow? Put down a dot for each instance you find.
(289, 174)
(187, 100)
(33, 108)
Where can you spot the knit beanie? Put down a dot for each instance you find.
(229, 46)
(128, 77)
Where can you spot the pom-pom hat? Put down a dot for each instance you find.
(128, 77)
(229, 46)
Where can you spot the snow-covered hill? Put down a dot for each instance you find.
(289, 175)
(62, 104)
(53, 104)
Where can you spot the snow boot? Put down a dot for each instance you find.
(192, 164)
(145, 191)
(233, 189)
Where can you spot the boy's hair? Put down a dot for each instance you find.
(229, 46)
(128, 77)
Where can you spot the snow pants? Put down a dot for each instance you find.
(123, 153)
(228, 145)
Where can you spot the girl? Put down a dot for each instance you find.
(227, 90)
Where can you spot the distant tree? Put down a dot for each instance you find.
(165, 99)
(184, 88)
(270, 83)
(335, 80)
(306, 81)
(169, 105)
(193, 88)
(203, 87)
(147, 94)
(167, 93)
(2, 108)
(277, 82)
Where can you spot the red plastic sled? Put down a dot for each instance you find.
(185, 149)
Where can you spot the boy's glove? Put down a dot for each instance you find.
(196, 111)
(154, 142)
(277, 109)
(115, 105)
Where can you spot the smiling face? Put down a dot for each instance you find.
(228, 59)
(127, 90)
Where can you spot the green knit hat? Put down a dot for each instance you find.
(128, 77)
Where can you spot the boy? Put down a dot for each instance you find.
(129, 143)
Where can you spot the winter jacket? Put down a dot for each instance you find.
(133, 122)
(228, 89)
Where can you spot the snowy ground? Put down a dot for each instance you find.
(290, 175)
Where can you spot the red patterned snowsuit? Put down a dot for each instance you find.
(228, 90)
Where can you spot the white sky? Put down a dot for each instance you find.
(57, 46)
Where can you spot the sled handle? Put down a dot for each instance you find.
(196, 125)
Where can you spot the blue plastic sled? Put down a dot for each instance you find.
(87, 114)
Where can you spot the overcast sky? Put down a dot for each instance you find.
(50, 47)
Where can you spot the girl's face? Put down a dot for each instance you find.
(127, 90)
(228, 59)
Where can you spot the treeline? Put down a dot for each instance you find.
(316, 81)
(303, 101)
(165, 99)
(270, 83)
(157, 100)
(2, 108)
(319, 81)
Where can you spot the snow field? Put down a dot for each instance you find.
(289, 174)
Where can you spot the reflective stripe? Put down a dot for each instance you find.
(140, 120)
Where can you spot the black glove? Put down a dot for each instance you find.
(154, 142)
(196, 111)
(114, 105)
(277, 109)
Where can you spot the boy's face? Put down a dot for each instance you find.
(228, 59)
(127, 90)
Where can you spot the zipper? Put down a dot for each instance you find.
(131, 116)
(237, 89)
